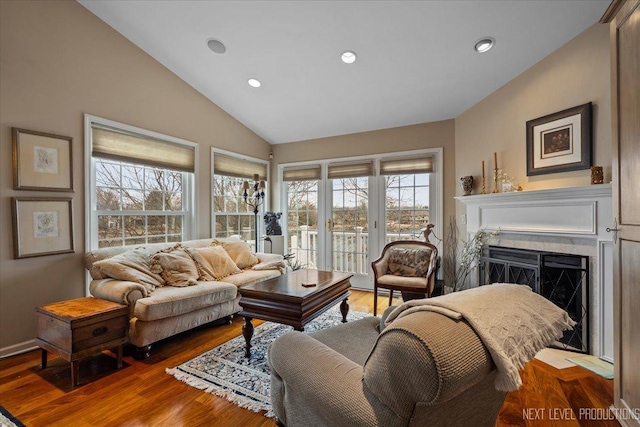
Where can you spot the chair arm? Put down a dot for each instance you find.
(312, 384)
(119, 291)
(381, 265)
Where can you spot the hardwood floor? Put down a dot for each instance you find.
(142, 394)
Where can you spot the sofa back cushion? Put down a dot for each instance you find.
(176, 266)
(409, 262)
(213, 263)
(132, 265)
(240, 253)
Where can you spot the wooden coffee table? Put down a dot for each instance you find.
(285, 300)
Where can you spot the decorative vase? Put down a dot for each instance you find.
(466, 183)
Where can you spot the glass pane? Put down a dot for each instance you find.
(175, 238)
(109, 227)
(173, 200)
(107, 199)
(109, 243)
(107, 174)
(422, 179)
(153, 200)
(132, 177)
(134, 226)
(157, 239)
(174, 224)
(422, 197)
(156, 225)
(137, 241)
(218, 203)
(132, 200)
(154, 179)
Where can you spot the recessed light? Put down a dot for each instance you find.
(216, 45)
(254, 82)
(349, 57)
(484, 44)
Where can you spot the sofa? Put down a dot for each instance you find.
(444, 361)
(173, 287)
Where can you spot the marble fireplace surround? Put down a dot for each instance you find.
(569, 220)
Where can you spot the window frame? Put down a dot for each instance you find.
(189, 182)
(262, 209)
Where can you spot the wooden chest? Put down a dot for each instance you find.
(81, 327)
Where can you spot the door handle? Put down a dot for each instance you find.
(329, 225)
(614, 230)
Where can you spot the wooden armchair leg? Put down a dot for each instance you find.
(390, 297)
(375, 300)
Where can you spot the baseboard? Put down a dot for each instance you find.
(19, 348)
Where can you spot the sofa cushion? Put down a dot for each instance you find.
(172, 301)
(248, 277)
(175, 266)
(240, 253)
(409, 262)
(213, 263)
(132, 266)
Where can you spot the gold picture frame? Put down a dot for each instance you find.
(42, 161)
(42, 226)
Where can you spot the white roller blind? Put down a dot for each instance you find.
(123, 146)
(240, 168)
(402, 166)
(307, 173)
(350, 169)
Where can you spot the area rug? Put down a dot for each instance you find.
(594, 364)
(226, 372)
(8, 420)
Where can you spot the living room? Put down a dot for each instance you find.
(58, 66)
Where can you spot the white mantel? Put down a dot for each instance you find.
(571, 212)
(568, 220)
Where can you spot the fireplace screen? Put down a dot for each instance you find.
(561, 278)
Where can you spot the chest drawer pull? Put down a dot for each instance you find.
(99, 331)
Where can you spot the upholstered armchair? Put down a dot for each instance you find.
(424, 369)
(406, 266)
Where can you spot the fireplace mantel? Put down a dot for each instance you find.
(572, 212)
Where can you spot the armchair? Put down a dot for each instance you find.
(406, 266)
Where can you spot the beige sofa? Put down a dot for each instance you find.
(158, 312)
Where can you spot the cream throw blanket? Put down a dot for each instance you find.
(513, 323)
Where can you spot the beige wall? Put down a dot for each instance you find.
(415, 137)
(575, 74)
(58, 61)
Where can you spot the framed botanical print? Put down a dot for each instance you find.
(42, 161)
(560, 142)
(42, 226)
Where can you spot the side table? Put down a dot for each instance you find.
(79, 328)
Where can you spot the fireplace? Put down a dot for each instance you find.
(561, 278)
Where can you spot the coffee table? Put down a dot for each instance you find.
(285, 300)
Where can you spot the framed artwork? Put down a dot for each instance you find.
(41, 226)
(560, 142)
(42, 161)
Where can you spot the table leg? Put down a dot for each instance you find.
(344, 309)
(119, 356)
(247, 331)
(44, 358)
(75, 373)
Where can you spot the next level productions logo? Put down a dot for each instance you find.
(581, 414)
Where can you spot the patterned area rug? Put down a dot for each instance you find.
(226, 372)
(8, 420)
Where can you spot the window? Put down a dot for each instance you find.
(140, 185)
(232, 215)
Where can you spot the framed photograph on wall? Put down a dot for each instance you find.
(41, 226)
(560, 142)
(42, 161)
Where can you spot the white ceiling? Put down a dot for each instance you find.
(415, 62)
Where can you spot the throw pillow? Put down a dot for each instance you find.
(409, 262)
(132, 266)
(175, 266)
(213, 262)
(240, 253)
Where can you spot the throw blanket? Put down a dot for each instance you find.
(513, 322)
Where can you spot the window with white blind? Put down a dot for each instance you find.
(233, 215)
(140, 185)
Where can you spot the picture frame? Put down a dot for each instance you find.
(42, 226)
(560, 142)
(42, 161)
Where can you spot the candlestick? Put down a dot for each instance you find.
(495, 181)
(495, 159)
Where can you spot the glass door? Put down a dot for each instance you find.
(302, 223)
(348, 229)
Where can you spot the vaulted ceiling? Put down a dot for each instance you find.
(415, 59)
